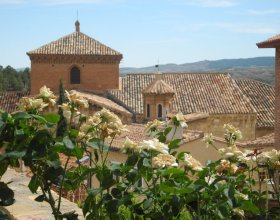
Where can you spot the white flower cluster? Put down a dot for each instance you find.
(38, 103)
(153, 127)
(232, 152)
(271, 158)
(164, 161)
(47, 95)
(225, 167)
(192, 163)
(72, 107)
(232, 133)
(110, 125)
(178, 120)
(148, 145)
(208, 139)
(76, 100)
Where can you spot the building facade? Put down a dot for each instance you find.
(82, 62)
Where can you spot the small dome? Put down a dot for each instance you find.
(77, 24)
(158, 87)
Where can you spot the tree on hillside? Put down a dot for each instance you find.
(62, 124)
(13, 80)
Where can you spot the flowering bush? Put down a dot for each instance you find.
(155, 182)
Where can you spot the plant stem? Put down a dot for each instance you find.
(61, 184)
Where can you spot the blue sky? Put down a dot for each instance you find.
(144, 31)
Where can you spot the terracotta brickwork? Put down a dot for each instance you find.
(277, 98)
(154, 101)
(96, 77)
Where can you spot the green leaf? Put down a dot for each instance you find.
(174, 144)
(21, 115)
(132, 160)
(94, 192)
(116, 193)
(146, 162)
(250, 207)
(68, 143)
(40, 198)
(6, 195)
(33, 184)
(19, 132)
(70, 215)
(147, 203)
(51, 118)
(54, 163)
(173, 171)
(3, 166)
(167, 130)
(113, 206)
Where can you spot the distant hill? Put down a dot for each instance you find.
(259, 68)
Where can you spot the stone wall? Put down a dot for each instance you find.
(96, 77)
(214, 124)
(263, 131)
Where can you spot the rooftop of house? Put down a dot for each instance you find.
(262, 97)
(271, 42)
(76, 43)
(159, 87)
(214, 93)
(9, 100)
(264, 141)
(101, 101)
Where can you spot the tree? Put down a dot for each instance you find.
(62, 124)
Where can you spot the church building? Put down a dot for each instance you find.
(82, 62)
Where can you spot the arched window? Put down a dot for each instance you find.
(159, 111)
(75, 75)
(148, 110)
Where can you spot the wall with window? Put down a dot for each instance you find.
(96, 77)
(155, 107)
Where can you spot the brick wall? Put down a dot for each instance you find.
(96, 77)
(277, 98)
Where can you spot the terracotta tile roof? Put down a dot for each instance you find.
(103, 102)
(76, 43)
(262, 97)
(214, 93)
(270, 42)
(9, 100)
(158, 87)
(264, 141)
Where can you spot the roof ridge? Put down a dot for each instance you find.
(75, 43)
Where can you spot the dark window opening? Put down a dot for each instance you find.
(148, 110)
(159, 113)
(75, 75)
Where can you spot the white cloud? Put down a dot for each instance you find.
(11, 2)
(213, 3)
(238, 28)
(263, 12)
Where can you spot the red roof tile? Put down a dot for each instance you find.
(10, 100)
(213, 93)
(270, 42)
(262, 97)
(76, 43)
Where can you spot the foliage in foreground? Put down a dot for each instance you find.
(155, 182)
